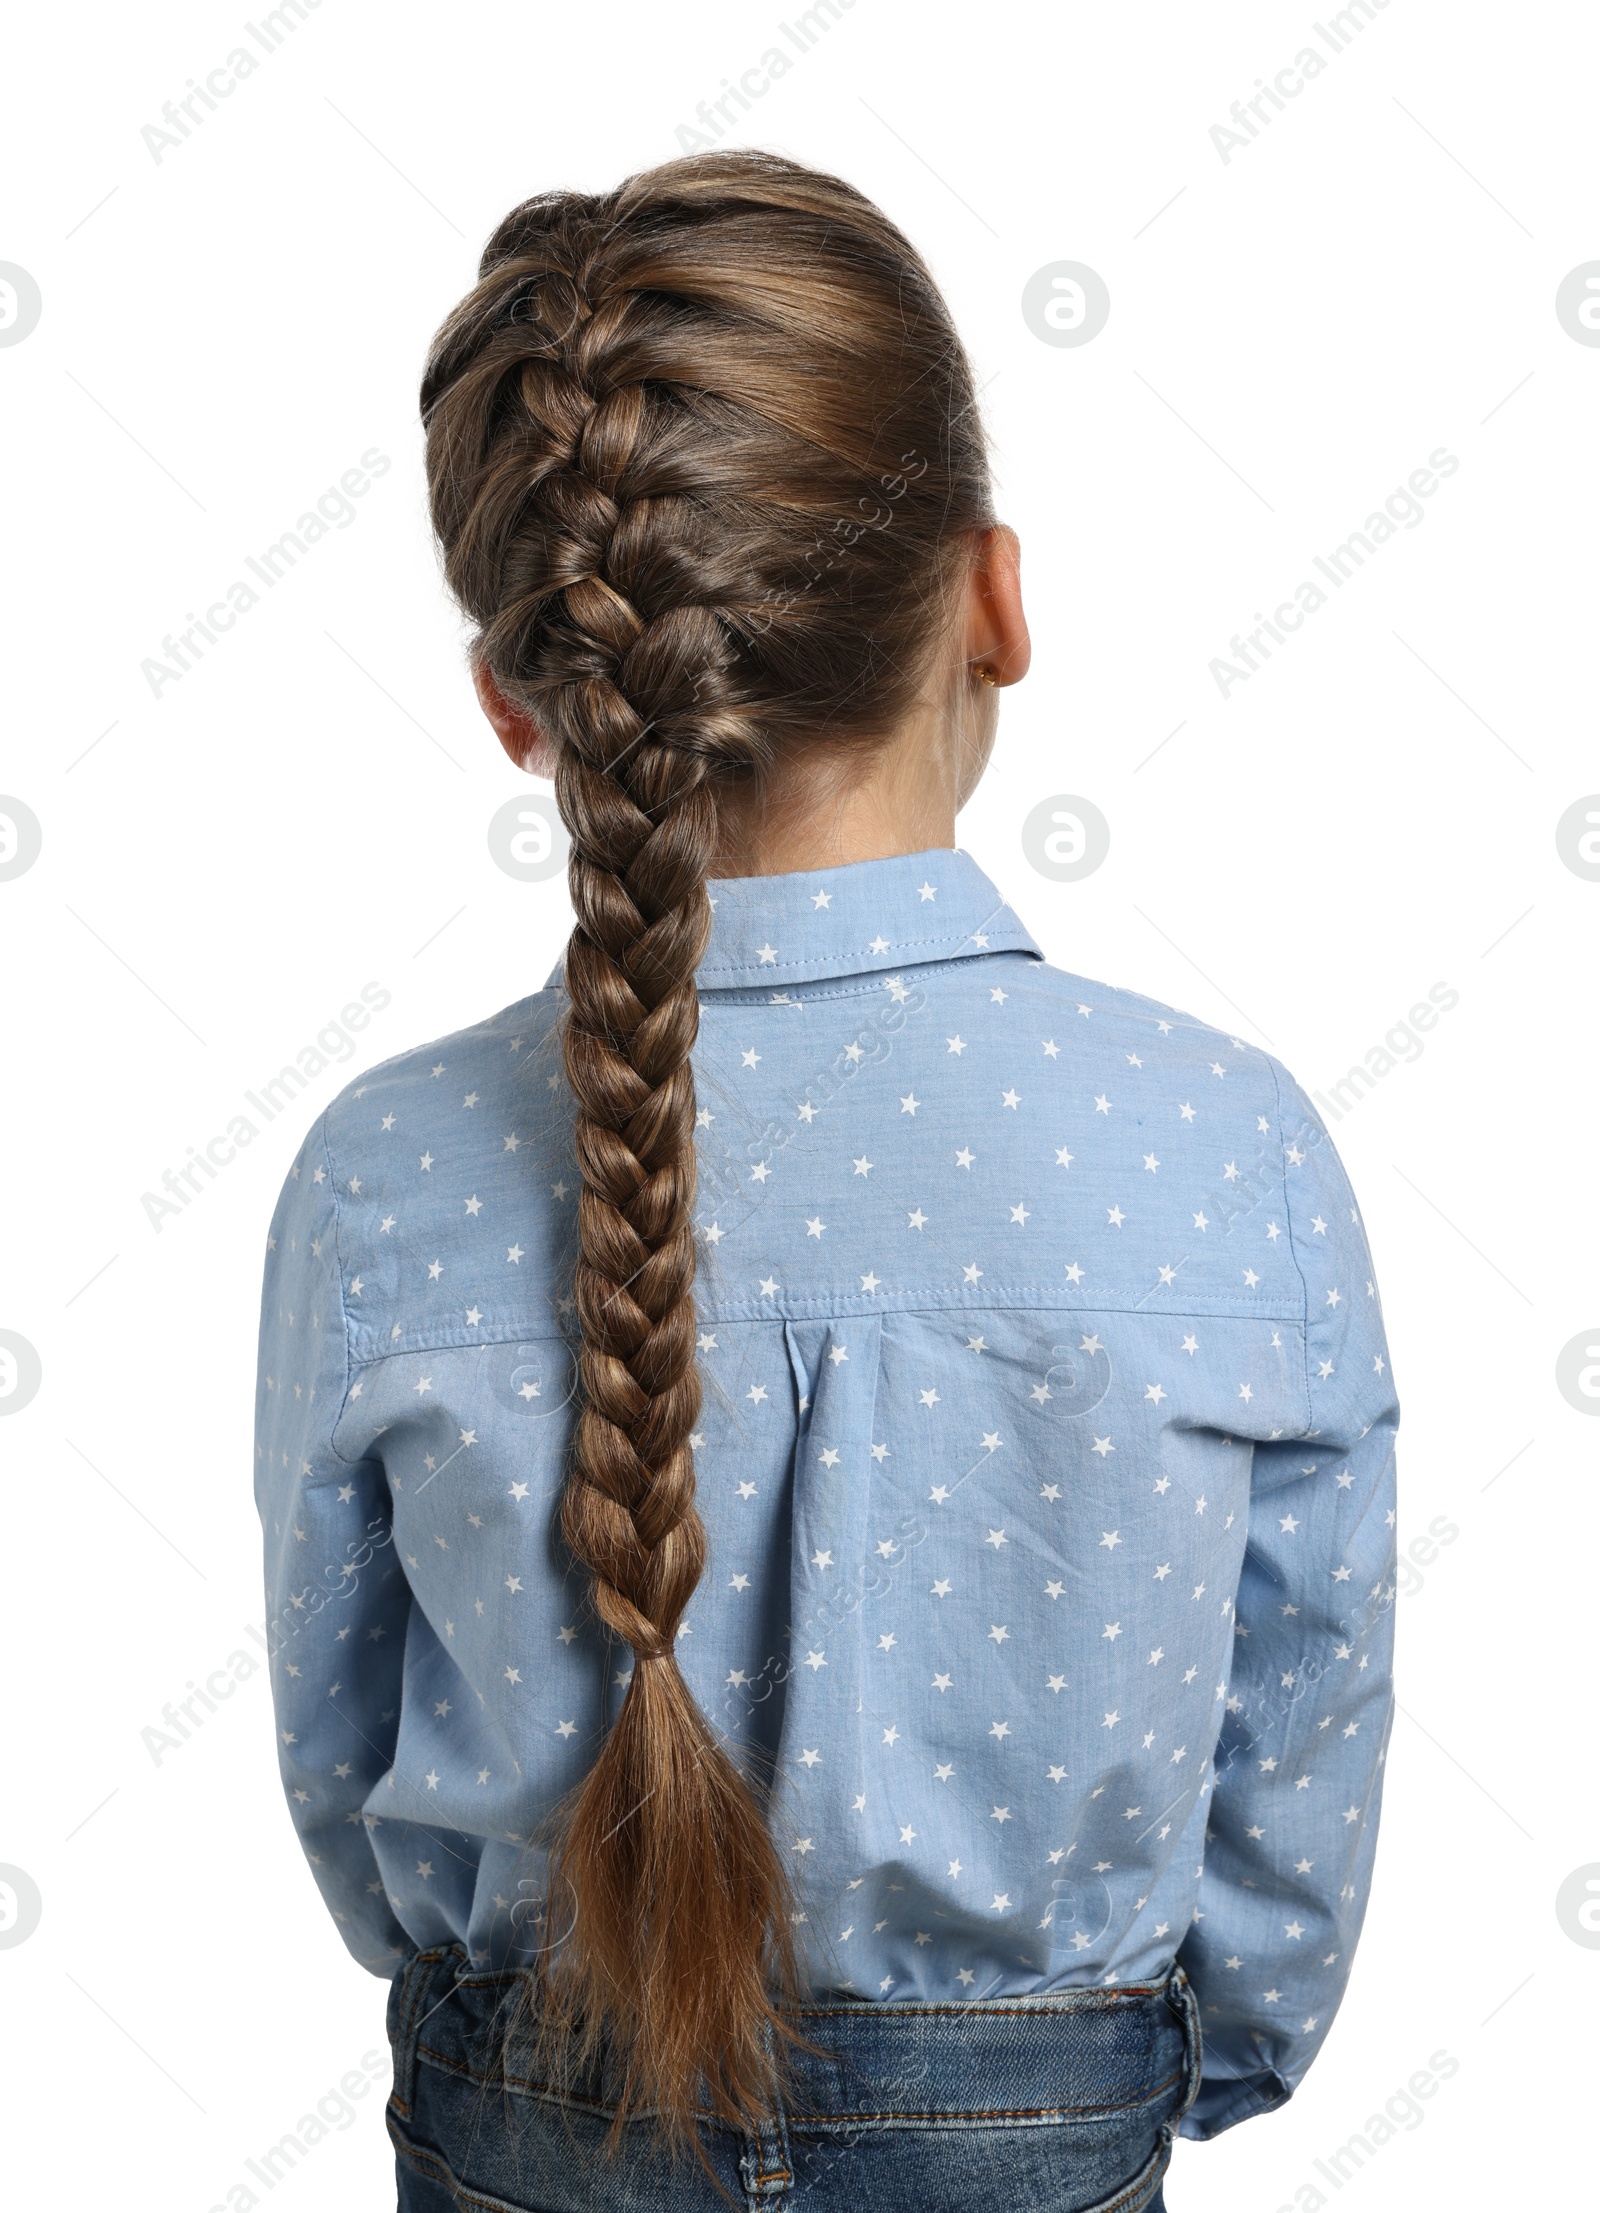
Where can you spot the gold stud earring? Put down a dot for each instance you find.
(985, 674)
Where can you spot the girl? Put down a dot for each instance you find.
(828, 1485)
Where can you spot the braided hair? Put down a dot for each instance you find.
(704, 462)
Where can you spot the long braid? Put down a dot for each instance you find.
(628, 459)
(666, 1849)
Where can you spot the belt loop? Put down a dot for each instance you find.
(1180, 1996)
(765, 2165)
(406, 2007)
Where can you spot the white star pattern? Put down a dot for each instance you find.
(1016, 1310)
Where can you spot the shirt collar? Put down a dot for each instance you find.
(871, 916)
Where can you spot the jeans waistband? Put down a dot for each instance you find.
(1069, 2056)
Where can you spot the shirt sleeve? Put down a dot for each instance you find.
(337, 1599)
(1299, 1760)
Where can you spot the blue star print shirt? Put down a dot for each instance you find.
(1046, 1461)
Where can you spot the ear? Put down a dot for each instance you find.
(996, 627)
(526, 745)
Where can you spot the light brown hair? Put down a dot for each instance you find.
(704, 463)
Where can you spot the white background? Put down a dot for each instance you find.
(1292, 332)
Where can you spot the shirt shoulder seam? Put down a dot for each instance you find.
(1294, 1254)
(338, 1272)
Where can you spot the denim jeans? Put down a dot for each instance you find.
(1067, 2104)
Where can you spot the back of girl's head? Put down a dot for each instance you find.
(704, 463)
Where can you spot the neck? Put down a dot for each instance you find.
(767, 834)
(825, 808)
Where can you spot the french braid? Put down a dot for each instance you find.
(643, 423)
